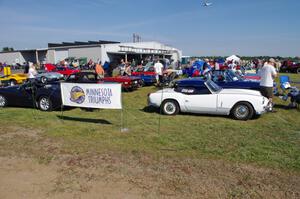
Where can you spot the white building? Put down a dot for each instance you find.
(95, 50)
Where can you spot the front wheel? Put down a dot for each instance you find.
(298, 71)
(242, 111)
(45, 104)
(3, 101)
(44, 80)
(170, 107)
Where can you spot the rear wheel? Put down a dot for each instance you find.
(45, 104)
(3, 101)
(242, 111)
(298, 70)
(170, 107)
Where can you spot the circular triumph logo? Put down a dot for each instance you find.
(77, 95)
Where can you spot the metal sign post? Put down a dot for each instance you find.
(123, 128)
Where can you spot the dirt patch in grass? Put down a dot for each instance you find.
(33, 165)
(112, 176)
(25, 178)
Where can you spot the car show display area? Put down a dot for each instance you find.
(88, 148)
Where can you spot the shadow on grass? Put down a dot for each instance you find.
(280, 106)
(87, 120)
(148, 109)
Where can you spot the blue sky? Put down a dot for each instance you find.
(244, 27)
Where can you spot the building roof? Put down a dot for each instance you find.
(80, 43)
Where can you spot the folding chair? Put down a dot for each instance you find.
(284, 78)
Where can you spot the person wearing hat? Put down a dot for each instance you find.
(268, 74)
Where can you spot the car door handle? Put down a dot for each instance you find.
(186, 100)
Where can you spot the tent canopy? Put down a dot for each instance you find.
(233, 58)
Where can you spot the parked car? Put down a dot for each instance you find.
(66, 71)
(206, 97)
(147, 74)
(290, 67)
(84, 77)
(13, 79)
(45, 77)
(128, 83)
(225, 79)
(46, 97)
(229, 79)
(147, 70)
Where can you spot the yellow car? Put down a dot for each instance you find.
(13, 79)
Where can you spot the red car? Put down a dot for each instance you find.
(128, 83)
(289, 66)
(144, 71)
(66, 71)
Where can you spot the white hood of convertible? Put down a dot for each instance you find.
(240, 91)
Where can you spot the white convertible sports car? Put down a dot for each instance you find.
(208, 98)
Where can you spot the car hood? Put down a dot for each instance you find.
(21, 75)
(240, 92)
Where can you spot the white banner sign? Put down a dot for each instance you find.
(104, 96)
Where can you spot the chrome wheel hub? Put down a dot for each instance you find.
(44, 104)
(2, 101)
(242, 111)
(170, 108)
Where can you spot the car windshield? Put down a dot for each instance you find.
(213, 86)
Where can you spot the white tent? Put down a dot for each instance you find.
(233, 58)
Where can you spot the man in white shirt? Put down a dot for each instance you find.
(158, 67)
(268, 74)
(32, 72)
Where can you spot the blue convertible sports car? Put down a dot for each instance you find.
(225, 79)
(228, 79)
(46, 97)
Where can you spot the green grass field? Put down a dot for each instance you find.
(273, 140)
